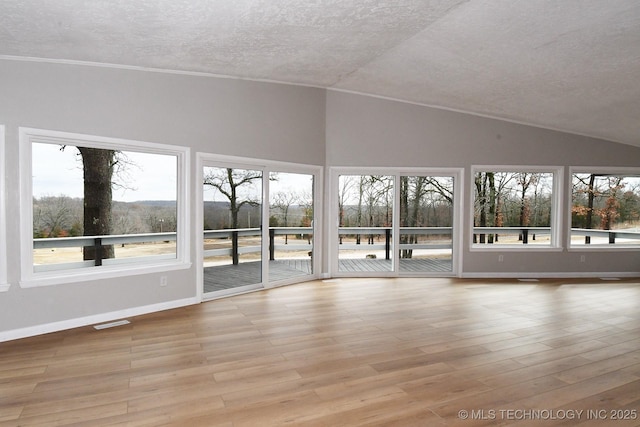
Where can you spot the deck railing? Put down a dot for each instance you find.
(98, 243)
(302, 243)
(242, 241)
(607, 236)
(487, 235)
(383, 236)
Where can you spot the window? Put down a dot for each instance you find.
(291, 213)
(515, 207)
(365, 217)
(426, 223)
(232, 229)
(395, 222)
(605, 208)
(4, 286)
(100, 206)
(257, 220)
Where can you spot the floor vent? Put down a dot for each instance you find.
(112, 324)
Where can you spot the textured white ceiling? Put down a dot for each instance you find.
(571, 65)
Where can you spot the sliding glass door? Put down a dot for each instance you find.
(232, 219)
(426, 224)
(290, 225)
(392, 223)
(365, 215)
(248, 243)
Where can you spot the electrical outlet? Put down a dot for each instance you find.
(500, 258)
(582, 258)
(163, 280)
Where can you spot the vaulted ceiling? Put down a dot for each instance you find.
(570, 65)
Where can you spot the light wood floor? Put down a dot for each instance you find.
(397, 352)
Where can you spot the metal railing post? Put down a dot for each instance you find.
(272, 246)
(234, 247)
(387, 244)
(97, 245)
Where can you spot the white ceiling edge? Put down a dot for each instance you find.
(228, 77)
(148, 69)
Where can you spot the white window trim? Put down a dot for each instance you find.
(395, 172)
(556, 209)
(569, 200)
(266, 166)
(4, 284)
(29, 278)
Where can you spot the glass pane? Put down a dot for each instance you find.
(605, 209)
(290, 225)
(95, 207)
(365, 209)
(513, 208)
(232, 228)
(426, 219)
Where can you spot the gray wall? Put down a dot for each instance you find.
(221, 116)
(361, 130)
(264, 121)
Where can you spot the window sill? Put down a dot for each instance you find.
(97, 273)
(604, 248)
(515, 248)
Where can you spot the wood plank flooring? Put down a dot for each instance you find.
(346, 352)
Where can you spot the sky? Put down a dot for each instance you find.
(59, 172)
(301, 184)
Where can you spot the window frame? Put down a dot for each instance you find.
(556, 217)
(4, 283)
(266, 167)
(396, 172)
(29, 278)
(614, 170)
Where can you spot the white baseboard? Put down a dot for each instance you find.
(91, 320)
(548, 275)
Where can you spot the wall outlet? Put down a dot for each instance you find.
(582, 258)
(163, 280)
(500, 258)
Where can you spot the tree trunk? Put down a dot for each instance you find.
(404, 213)
(235, 209)
(98, 172)
(590, 198)
(492, 204)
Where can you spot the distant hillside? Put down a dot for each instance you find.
(152, 203)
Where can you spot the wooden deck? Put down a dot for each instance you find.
(225, 277)
(417, 265)
(249, 273)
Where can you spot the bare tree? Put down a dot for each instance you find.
(229, 182)
(346, 184)
(485, 201)
(53, 216)
(98, 166)
(611, 209)
(412, 191)
(283, 201)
